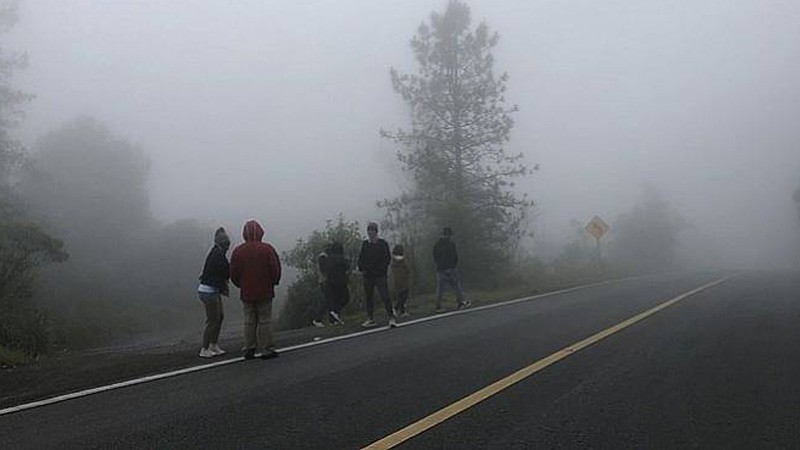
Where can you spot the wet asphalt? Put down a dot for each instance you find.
(716, 370)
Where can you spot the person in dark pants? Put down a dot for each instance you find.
(323, 305)
(336, 268)
(214, 285)
(373, 262)
(446, 258)
(402, 279)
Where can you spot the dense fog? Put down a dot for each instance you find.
(273, 110)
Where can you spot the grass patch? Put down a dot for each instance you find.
(10, 357)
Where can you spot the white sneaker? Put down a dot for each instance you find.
(216, 350)
(318, 324)
(206, 353)
(392, 322)
(369, 323)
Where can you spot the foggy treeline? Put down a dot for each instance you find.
(85, 261)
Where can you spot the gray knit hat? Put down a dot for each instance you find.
(221, 238)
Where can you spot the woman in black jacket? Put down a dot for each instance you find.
(213, 285)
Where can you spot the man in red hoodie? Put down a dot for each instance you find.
(256, 270)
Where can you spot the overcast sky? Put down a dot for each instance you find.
(271, 109)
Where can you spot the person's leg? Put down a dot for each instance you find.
(456, 282)
(250, 321)
(383, 291)
(402, 297)
(265, 333)
(218, 315)
(441, 280)
(369, 291)
(209, 307)
(319, 308)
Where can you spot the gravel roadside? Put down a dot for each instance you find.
(68, 372)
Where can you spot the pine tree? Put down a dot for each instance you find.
(455, 148)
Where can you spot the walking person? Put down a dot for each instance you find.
(256, 270)
(373, 262)
(445, 257)
(402, 280)
(337, 268)
(321, 307)
(214, 285)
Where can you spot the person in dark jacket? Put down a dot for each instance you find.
(402, 279)
(214, 285)
(322, 306)
(256, 270)
(373, 262)
(336, 277)
(445, 257)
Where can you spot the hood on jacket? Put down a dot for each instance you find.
(252, 231)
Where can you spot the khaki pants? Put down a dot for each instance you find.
(258, 325)
(214, 316)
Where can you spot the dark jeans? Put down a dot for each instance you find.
(339, 296)
(445, 278)
(214, 316)
(370, 283)
(324, 304)
(402, 297)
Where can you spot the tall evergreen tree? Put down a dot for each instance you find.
(455, 148)
(24, 246)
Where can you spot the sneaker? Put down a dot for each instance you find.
(369, 323)
(439, 310)
(216, 350)
(268, 354)
(250, 353)
(335, 318)
(318, 324)
(465, 305)
(206, 353)
(405, 314)
(392, 322)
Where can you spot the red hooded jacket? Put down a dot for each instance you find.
(255, 267)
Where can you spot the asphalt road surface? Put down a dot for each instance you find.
(717, 369)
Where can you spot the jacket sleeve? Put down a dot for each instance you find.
(224, 271)
(275, 267)
(437, 254)
(455, 256)
(361, 256)
(387, 256)
(234, 268)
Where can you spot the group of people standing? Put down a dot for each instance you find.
(374, 262)
(255, 269)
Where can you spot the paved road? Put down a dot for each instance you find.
(718, 369)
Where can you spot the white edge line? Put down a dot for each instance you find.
(160, 376)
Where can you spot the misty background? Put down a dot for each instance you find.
(272, 110)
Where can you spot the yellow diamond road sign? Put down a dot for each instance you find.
(597, 227)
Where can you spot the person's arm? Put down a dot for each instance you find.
(275, 267)
(361, 256)
(455, 256)
(387, 255)
(235, 269)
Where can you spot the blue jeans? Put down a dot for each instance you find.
(445, 278)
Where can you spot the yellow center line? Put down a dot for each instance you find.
(422, 425)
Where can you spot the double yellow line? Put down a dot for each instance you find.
(422, 425)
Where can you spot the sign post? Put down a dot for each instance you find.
(597, 227)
